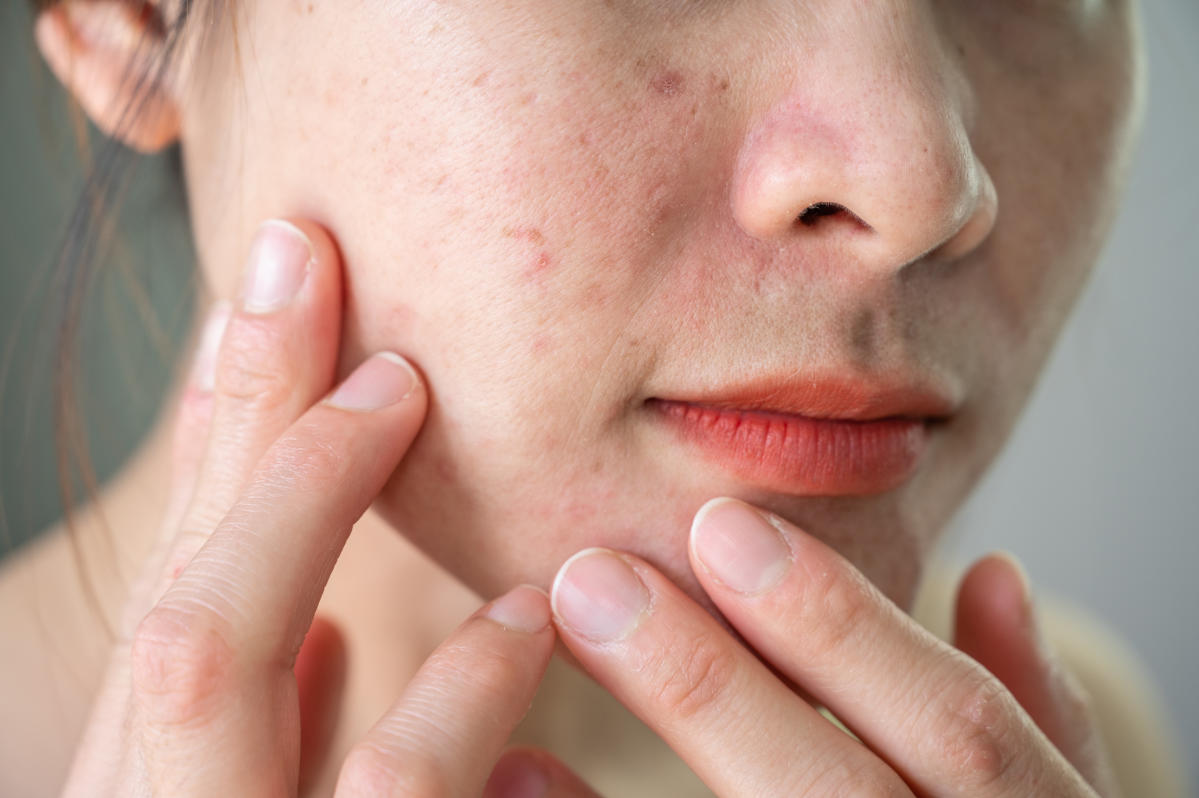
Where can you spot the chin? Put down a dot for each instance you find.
(491, 543)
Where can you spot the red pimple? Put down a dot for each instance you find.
(539, 267)
(668, 83)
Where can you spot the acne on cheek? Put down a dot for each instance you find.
(668, 83)
(538, 262)
(634, 159)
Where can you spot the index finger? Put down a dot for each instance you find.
(444, 734)
(936, 716)
(740, 728)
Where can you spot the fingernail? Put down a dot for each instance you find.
(597, 595)
(384, 379)
(516, 777)
(278, 263)
(739, 547)
(204, 369)
(522, 609)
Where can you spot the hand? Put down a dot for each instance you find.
(271, 472)
(928, 718)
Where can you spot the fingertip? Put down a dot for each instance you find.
(533, 773)
(1017, 573)
(518, 774)
(524, 609)
(997, 585)
(323, 247)
(706, 509)
(994, 610)
(380, 381)
(203, 376)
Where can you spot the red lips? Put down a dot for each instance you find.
(827, 436)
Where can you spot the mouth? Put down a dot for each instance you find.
(815, 438)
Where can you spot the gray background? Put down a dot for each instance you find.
(1097, 491)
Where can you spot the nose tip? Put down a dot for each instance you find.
(866, 151)
(981, 208)
(914, 197)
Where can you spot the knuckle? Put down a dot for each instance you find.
(369, 771)
(693, 679)
(318, 459)
(857, 778)
(253, 367)
(182, 668)
(975, 737)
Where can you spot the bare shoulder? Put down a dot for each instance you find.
(1128, 706)
(54, 654)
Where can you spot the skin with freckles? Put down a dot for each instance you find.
(569, 217)
(560, 210)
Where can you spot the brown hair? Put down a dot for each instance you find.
(85, 244)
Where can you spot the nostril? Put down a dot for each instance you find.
(816, 210)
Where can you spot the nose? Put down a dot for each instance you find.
(865, 146)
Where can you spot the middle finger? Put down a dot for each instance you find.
(211, 663)
(277, 356)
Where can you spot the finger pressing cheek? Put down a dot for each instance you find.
(193, 418)
(277, 356)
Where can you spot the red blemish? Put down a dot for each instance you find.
(717, 84)
(668, 83)
(531, 234)
(400, 322)
(538, 267)
(542, 343)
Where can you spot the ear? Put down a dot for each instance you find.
(100, 49)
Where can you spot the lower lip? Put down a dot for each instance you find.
(800, 455)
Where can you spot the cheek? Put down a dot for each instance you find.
(541, 232)
(526, 261)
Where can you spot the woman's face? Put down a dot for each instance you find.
(560, 209)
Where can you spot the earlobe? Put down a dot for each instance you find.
(100, 51)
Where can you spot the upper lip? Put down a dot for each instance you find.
(829, 395)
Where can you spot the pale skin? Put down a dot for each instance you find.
(485, 273)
